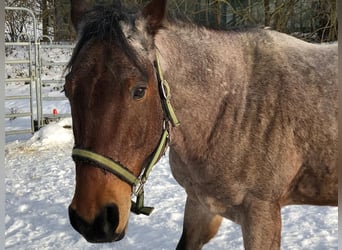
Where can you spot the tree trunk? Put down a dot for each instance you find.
(45, 18)
(267, 19)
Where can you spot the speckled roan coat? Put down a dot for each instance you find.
(258, 113)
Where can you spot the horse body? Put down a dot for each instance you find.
(258, 113)
(258, 120)
(251, 115)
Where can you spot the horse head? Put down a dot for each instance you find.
(116, 110)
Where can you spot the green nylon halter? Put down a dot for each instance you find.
(167, 107)
(123, 173)
(137, 182)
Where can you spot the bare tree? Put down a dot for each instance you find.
(313, 20)
(325, 21)
(17, 23)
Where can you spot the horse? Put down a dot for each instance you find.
(249, 117)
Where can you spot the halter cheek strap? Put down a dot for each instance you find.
(122, 172)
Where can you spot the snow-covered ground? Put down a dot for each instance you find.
(40, 184)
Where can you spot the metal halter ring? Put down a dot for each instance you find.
(165, 89)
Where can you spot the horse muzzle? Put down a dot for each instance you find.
(102, 228)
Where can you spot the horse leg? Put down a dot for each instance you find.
(261, 226)
(199, 226)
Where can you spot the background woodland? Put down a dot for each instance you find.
(311, 20)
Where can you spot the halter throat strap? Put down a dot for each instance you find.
(122, 172)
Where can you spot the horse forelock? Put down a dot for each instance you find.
(119, 27)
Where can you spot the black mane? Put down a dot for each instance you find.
(103, 23)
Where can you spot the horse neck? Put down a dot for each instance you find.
(204, 69)
(198, 57)
(196, 47)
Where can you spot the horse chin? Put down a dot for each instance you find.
(115, 237)
(107, 239)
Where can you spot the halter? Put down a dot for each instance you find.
(122, 172)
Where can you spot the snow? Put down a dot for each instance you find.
(40, 181)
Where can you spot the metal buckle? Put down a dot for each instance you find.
(167, 127)
(165, 89)
(137, 189)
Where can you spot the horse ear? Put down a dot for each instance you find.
(78, 9)
(154, 13)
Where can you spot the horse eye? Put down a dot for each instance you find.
(138, 93)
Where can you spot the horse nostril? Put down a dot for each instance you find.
(102, 229)
(77, 222)
(113, 215)
(108, 220)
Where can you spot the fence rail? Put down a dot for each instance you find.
(37, 67)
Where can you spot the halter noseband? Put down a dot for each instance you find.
(123, 173)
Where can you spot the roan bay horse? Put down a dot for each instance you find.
(257, 113)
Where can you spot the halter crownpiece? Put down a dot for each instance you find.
(165, 89)
(122, 172)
